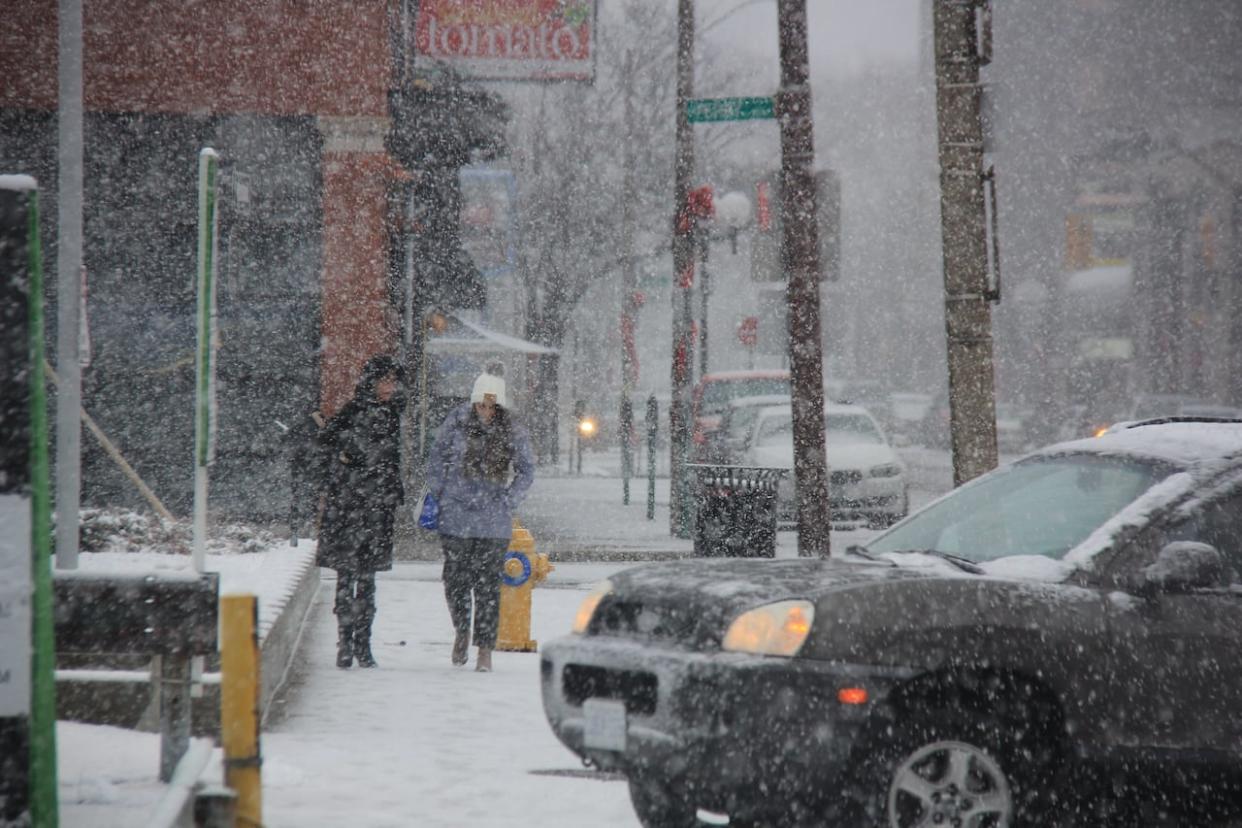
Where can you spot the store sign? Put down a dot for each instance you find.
(1106, 348)
(509, 39)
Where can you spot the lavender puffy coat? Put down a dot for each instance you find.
(474, 507)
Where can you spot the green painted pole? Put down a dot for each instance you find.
(17, 194)
(28, 791)
(204, 419)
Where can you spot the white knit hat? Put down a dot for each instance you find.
(489, 384)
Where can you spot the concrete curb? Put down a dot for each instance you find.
(279, 645)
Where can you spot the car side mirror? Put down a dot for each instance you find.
(1183, 566)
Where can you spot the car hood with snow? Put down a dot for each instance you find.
(841, 456)
(692, 603)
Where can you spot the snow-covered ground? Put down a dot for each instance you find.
(415, 741)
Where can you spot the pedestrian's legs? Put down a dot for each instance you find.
(364, 615)
(489, 554)
(457, 582)
(343, 606)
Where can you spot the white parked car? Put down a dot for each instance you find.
(867, 480)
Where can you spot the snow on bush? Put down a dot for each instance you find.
(122, 530)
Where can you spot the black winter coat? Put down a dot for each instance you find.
(361, 454)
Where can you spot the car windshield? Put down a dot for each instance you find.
(841, 428)
(741, 420)
(1043, 506)
(716, 395)
(850, 428)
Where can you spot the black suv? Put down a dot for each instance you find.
(1064, 624)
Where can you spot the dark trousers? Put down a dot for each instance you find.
(355, 599)
(472, 567)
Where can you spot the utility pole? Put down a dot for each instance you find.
(69, 285)
(683, 279)
(801, 257)
(629, 286)
(705, 295)
(963, 44)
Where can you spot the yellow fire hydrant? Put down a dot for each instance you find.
(524, 568)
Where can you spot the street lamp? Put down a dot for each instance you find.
(733, 213)
(725, 215)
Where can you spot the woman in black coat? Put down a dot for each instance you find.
(362, 455)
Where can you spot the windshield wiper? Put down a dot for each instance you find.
(964, 564)
(861, 551)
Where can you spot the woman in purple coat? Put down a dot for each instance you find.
(480, 469)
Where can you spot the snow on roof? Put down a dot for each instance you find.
(759, 399)
(1103, 278)
(466, 336)
(830, 407)
(1183, 444)
(18, 182)
(756, 373)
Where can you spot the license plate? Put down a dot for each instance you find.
(605, 724)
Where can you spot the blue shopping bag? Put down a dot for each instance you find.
(429, 516)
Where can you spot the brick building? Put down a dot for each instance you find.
(293, 95)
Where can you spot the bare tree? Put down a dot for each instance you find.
(572, 146)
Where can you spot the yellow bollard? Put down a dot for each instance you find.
(524, 568)
(239, 704)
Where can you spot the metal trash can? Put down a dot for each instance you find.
(735, 514)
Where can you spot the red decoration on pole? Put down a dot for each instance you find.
(763, 206)
(686, 280)
(627, 343)
(748, 331)
(700, 203)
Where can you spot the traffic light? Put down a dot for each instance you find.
(446, 276)
(445, 123)
(439, 125)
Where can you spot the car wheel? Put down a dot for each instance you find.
(946, 768)
(658, 806)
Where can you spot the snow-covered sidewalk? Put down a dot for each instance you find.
(420, 742)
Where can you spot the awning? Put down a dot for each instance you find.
(464, 337)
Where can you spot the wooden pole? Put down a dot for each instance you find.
(801, 254)
(964, 230)
(112, 451)
(683, 280)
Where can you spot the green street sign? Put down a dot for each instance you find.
(728, 109)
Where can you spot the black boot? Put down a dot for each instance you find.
(362, 646)
(345, 647)
(460, 643)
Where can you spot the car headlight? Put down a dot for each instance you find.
(885, 470)
(775, 629)
(586, 610)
